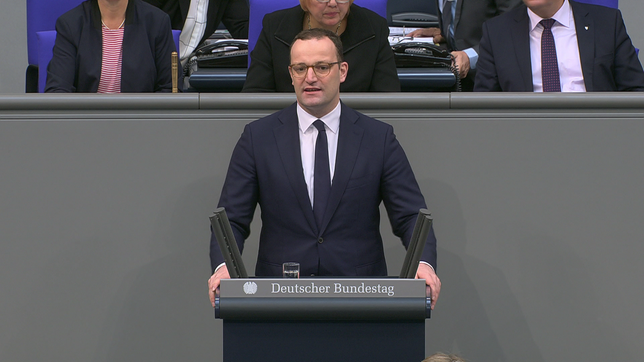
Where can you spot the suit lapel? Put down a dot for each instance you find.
(585, 28)
(457, 15)
(520, 30)
(439, 11)
(349, 139)
(288, 143)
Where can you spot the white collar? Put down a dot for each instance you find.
(563, 16)
(331, 120)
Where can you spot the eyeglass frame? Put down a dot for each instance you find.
(337, 1)
(294, 73)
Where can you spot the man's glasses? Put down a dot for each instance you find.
(320, 69)
(337, 1)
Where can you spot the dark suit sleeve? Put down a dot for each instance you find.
(487, 80)
(628, 72)
(61, 72)
(239, 195)
(402, 197)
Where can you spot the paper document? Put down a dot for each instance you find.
(400, 31)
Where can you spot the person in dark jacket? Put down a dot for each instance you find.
(364, 36)
(592, 50)
(461, 34)
(110, 47)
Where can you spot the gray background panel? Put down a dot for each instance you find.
(104, 227)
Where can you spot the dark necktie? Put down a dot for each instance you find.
(549, 66)
(446, 15)
(321, 173)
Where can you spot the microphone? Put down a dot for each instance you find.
(227, 244)
(416, 244)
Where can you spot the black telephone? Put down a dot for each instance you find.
(420, 55)
(414, 20)
(227, 53)
(410, 54)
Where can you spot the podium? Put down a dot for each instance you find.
(315, 319)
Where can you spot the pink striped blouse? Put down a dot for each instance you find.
(110, 81)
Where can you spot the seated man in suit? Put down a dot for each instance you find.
(319, 171)
(558, 46)
(461, 23)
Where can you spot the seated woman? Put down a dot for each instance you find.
(364, 36)
(112, 46)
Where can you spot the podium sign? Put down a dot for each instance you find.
(314, 319)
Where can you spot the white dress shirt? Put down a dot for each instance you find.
(308, 138)
(565, 34)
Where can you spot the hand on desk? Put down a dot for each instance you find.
(428, 33)
(431, 279)
(215, 280)
(462, 61)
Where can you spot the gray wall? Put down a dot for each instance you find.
(13, 59)
(537, 201)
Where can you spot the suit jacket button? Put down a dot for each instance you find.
(320, 240)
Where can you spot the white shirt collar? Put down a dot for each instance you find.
(331, 120)
(563, 16)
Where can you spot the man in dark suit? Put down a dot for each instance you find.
(278, 165)
(461, 32)
(593, 52)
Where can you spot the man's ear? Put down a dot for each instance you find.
(344, 69)
(289, 69)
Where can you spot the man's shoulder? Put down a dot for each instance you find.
(360, 119)
(276, 118)
(595, 11)
(509, 16)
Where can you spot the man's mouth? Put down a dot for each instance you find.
(311, 89)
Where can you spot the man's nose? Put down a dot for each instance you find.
(310, 75)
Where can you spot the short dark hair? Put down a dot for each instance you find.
(318, 33)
